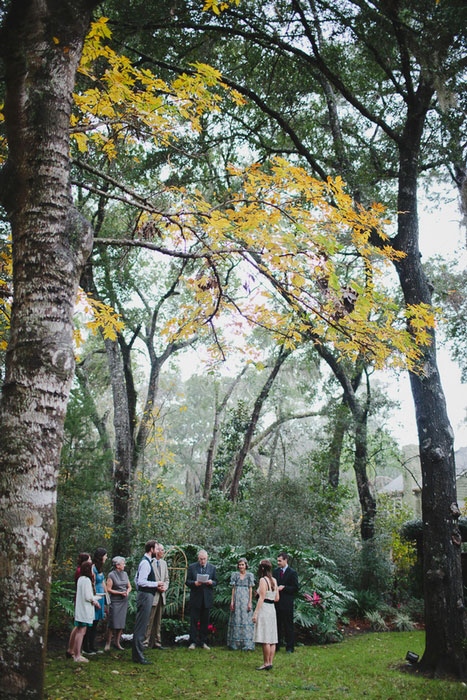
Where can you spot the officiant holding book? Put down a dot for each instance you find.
(201, 580)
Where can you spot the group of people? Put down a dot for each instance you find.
(269, 623)
(94, 591)
(90, 600)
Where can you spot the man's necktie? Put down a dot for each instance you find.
(282, 573)
(158, 568)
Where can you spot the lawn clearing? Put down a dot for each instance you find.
(363, 667)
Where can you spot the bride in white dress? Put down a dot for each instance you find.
(265, 614)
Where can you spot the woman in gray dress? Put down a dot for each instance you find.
(118, 587)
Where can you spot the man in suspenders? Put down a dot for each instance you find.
(146, 585)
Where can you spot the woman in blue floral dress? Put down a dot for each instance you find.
(240, 632)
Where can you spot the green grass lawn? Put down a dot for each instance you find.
(362, 667)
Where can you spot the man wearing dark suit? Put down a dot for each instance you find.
(201, 597)
(287, 579)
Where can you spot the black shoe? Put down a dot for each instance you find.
(268, 668)
(159, 646)
(143, 662)
(290, 651)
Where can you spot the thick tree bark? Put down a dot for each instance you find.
(50, 245)
(445, 615)
(124, 449)
(341, 426)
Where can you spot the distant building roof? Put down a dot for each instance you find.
(394, 486)
(397, 485)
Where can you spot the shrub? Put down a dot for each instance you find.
(375, 570)
(386, 610)
(322, 601)
(402, 622)
(377, 621)
(61, 606)
(363, 602)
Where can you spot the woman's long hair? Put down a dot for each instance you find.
(82, 557)
(86, 569)
(265, 569)
(98, 557)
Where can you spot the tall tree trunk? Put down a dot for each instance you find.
(130, 437)
(359, 414)
(124, 418)
(366, 498)
(212, 448)
(218, 410)
(240, 460)
(272, 456)
(50, 244)
(445, 616)
(124, 449)
(335, 447)
(147, 419)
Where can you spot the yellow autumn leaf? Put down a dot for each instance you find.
(82, 141)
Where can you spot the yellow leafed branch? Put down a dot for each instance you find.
(103, 317)
(126, 99)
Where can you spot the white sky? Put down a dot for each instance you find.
(402, 423)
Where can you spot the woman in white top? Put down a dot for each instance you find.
(265, 614)
(85, 603)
